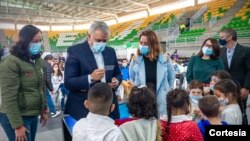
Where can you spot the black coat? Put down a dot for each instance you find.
(240, 64)
(48, 72)
(79, 64)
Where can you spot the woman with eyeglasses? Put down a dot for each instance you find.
(205, 63)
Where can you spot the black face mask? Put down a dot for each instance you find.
(222, 42)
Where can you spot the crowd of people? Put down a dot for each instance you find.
(218, 80)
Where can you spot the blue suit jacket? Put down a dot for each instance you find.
(79, 64)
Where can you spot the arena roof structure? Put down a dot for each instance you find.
(71, 11)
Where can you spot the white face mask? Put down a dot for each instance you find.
(223, 101)
(124, 64)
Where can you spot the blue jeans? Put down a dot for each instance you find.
(30, 123)
(50, 102)
(65, 93)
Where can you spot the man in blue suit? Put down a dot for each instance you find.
(87, 64)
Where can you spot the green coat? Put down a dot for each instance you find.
(22, 89)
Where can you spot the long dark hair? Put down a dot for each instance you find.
(216, 48)
(25, 36)
(176, 98)
(59, 70)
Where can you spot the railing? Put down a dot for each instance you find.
(197, 40)
(212, 22)
(198, 14)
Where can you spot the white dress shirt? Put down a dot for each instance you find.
(100, 65)
(96, 128)
(230, 53)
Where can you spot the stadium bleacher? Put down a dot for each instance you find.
(126, 34)
(240, 22)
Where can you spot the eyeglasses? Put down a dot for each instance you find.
(98, 40)
(210, 46)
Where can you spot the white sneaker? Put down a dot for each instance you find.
(56, 114)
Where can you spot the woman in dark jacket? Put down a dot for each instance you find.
(22, 85)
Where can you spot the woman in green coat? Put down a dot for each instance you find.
(206, 62)
(22, 87)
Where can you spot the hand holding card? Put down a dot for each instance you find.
(114, 83)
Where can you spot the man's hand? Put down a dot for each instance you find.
(21, 134)
(244, 93)
(114, 83)
(97, 74)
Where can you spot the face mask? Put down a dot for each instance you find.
(195, 99)
(98, 47)
(124, 64)
(212, 87)
(35, 48)
(223, 101)
(207, 51)
(144, 49)
(222, 42)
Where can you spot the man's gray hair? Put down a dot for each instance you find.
(231, 32)
(99, 25)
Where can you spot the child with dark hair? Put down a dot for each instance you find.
(209, 106)
(196, 93)
(97, 126)
(227, 93)
(216, 77)
(142, 105)
(179, 125)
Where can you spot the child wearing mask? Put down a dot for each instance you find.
(216, 77)
(209, 106)
(196, 93)
(126, 83)
(179, 126)
(227, 93)
(125, 70)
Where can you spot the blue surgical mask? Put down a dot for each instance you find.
(144, 49)
(222, 42)
(207, 51)
(35, 48)
(98, 47)
(195, 99)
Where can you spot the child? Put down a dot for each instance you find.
(216, 77)
(227, 94)
(57, 80)
(142, 105)
(97, 126)
(209, 106)
(196, 93)
(179, 126)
